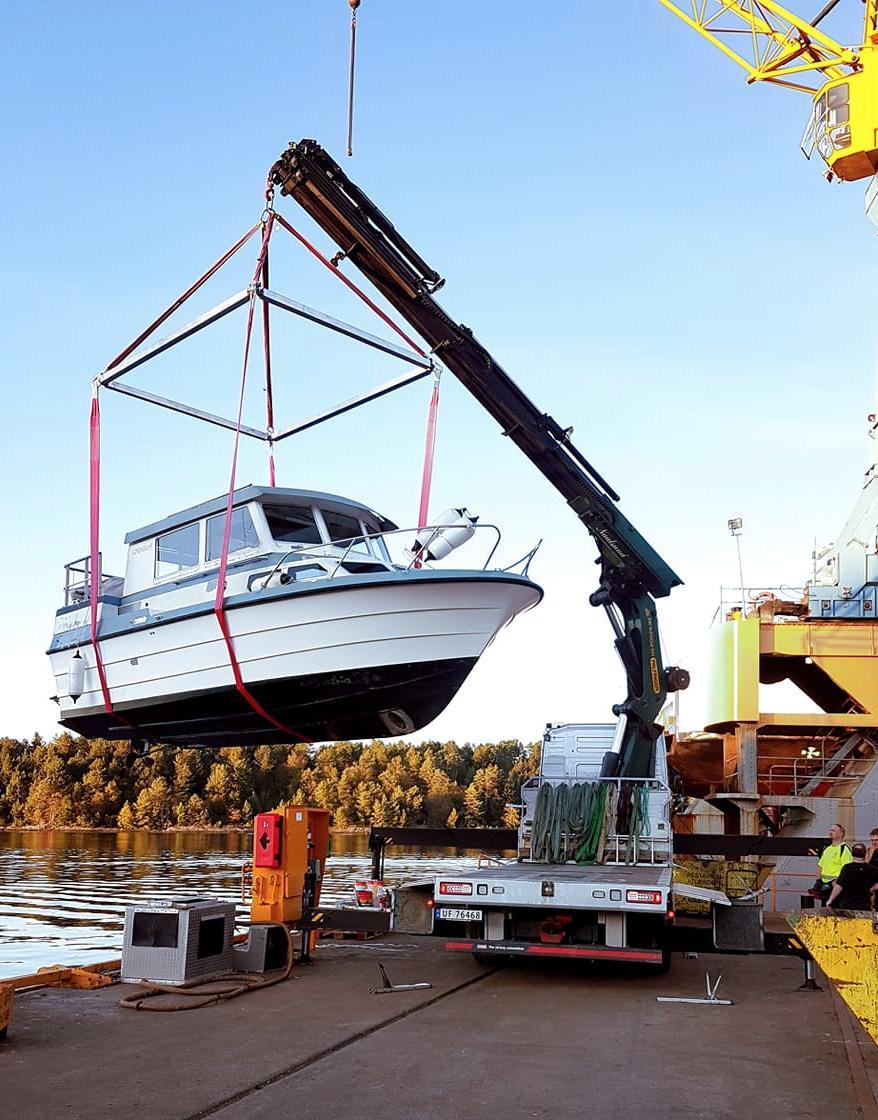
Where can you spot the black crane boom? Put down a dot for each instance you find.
(632, 572)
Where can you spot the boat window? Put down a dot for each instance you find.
(306, 571)
(292, 524)
(361, 567)
(242, 533)
(379, 547)
(342, 529)
(177, 550)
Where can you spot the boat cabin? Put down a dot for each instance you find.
(277, 536)
(266, 522)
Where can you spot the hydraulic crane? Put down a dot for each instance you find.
(776, 46)
(632, 574)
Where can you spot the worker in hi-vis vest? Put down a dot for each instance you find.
(832, 859)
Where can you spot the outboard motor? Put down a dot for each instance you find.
(451, 529)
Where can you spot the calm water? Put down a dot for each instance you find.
(63, 894)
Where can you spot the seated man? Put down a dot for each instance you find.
(853, 888)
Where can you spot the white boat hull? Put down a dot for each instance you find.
(373, 658)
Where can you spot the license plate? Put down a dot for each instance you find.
(454, 914)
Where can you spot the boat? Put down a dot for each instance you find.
(332, 637)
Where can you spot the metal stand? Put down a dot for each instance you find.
(386, 987)
(711, 1000)
(810, 984)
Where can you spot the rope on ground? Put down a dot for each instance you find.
(202, 993)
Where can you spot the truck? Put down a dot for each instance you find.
(593, 873)
(607, 896)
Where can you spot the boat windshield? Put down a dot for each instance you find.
(292, 525)
(345, 531)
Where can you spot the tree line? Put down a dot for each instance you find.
(69, 782)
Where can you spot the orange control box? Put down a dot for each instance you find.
(289, 853)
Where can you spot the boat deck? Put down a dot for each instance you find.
(536, 1040)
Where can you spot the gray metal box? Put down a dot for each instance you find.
(267, 949)
(411, 912)
(739, 928)
(176, 941)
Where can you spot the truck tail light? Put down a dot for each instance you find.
(651, 898)
(455, 888)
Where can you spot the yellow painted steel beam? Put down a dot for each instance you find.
(817, 719)
(846, 948)
(777, 48)
(870, 23)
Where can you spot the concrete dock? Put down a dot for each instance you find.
(528, 1040)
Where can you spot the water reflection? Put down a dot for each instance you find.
(62, 894)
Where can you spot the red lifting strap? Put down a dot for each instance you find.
(260, 275)
(429, 449)
(95, 573)
(94, 570)
(219, 604)
(350, 284)
(430, 443)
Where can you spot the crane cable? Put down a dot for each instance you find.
(354, 6)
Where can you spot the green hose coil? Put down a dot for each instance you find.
(572, 822)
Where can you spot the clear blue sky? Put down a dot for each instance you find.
(629, 228)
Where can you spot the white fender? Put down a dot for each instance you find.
(76, 676)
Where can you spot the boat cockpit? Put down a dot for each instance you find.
(277, 536)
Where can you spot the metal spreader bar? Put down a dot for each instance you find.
(187, 410)
(137, 359)
(340, 327)
(354, 402)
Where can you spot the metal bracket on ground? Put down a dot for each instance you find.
(386, 986)
(710, 1001)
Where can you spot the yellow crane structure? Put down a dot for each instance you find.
(772, 44)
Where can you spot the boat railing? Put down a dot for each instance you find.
(77, 580)
(413, 557)
(371, 548)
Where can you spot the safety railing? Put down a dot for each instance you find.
(77, 580)
(795, 778)
(782, 598)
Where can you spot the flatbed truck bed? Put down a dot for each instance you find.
(524, 883)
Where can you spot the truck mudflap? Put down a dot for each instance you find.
(537, 949)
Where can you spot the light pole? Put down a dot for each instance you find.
(736, 527)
